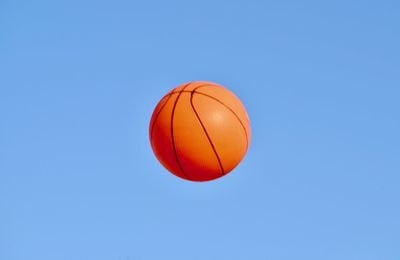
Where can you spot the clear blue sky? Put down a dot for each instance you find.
(79, 81)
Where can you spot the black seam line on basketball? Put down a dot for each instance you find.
(172, 133)
(208, 136)
(158, 113)
(230, 109)
(184, 91)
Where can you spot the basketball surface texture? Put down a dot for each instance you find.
(200, 131)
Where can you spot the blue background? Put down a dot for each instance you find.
(79, 81)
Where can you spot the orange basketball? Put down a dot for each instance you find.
(200, 131)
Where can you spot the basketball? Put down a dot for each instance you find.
(200, 131)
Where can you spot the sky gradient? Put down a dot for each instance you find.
(80, 79)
